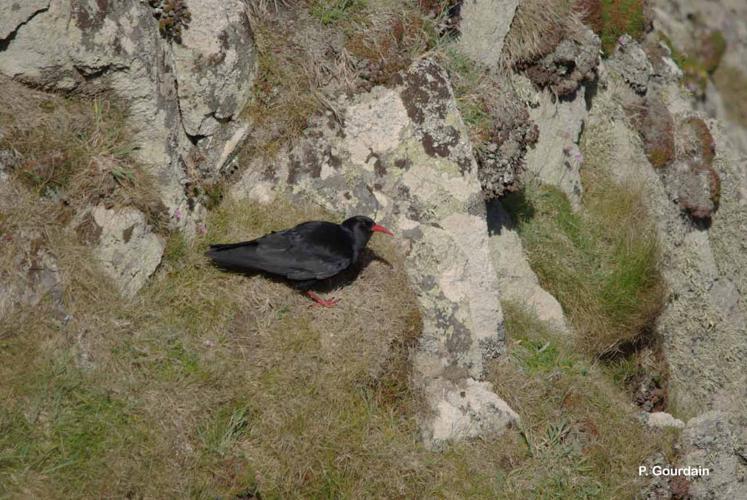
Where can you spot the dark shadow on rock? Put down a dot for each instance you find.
(506, 212)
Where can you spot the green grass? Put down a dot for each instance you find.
(610, 19)
(601, 263)
(331, 11)
(211, 384)
(582, 433)
(215, 385)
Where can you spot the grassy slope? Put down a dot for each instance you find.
(209, 384)
(214, 384)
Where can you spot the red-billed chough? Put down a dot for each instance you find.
(304, 254)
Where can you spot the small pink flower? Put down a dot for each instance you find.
(201, 229)
(178, 214)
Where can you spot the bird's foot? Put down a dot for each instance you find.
(318, 301)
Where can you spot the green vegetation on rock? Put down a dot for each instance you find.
(601, 263)
(610, 19)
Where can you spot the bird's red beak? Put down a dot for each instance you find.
(381, 229)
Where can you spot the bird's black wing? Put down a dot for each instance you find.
(312, 250)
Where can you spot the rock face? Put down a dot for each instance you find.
(183, 93)
(129, 252)
(703, 325)
(184, 98)
(662, 419)
(483, 27)
(718, 442)
(401, 155)
(556, 159)
(631, 62)
(572, 63)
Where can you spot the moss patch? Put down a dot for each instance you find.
(610, 19)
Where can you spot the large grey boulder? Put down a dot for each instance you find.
(184, 97)
(402, 156)
(484, 25)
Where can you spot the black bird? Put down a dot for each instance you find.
(304, 254)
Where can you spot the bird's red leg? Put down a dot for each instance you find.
(320, 301)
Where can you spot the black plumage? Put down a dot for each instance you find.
(304, 254)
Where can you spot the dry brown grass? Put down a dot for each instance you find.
(216, 384)
(316, 50)
(77, 151)
(537, 28)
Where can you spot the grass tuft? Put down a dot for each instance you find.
(537, 28)
(601, 263)
(76, 151)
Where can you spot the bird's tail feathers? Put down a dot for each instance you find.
(227, 246)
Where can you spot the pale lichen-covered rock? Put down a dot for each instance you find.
(466, 409)
(516, 279)
(501, 155)
(125, 246)
(183, 99)
(662, 419)
(484, 25)
(632, 63)
(402, 156)
(570, 65)
(17, 13)
(556, 159)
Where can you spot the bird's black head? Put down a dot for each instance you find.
(362, 228)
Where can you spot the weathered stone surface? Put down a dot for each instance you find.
(571, 64)
(483, 27)
(501, 155)
(717, 441)
(631, 62)
(662, 419)
(464, 410)
(18, 12)
(403, 157)
(184, 99)
(516, 280)
(556, 159)
(127, 249)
